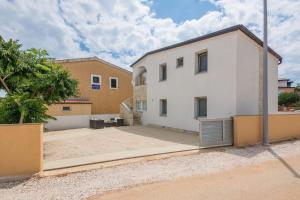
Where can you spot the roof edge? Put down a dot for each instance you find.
(240, 27)
(94, 58)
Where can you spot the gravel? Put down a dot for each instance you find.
(85, 184)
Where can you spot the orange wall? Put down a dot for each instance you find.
(76, 109)
(105, 100)
(248, 129)
(21, 149)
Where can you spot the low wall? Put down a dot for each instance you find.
(75, 109)
(75, 121)
(21, 149)
(248, 129)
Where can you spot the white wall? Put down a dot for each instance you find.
(183, 85)
(282, 83)
(75, 121)
(249, 78)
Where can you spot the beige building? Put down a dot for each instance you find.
(102, 87)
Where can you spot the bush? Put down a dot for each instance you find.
(286, 99)
(297, 105)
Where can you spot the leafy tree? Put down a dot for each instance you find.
(286, 99)
(32, 82)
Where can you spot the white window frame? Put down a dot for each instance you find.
(197, 71)
(143, 105)
(196, 107)
(117, 82)
(95, 75)
(161, 66)
(161, 108)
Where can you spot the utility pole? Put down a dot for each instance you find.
(265, 79)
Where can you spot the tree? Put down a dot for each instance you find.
(32, 82)
(286, 99)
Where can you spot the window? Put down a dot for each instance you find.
(163, 72)
(113, 83)
(179, 62)
(200, 107)
(201, 65)
(163, 107)
(66, 108)
(141, 105)
(95, 81)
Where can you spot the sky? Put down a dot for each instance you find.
(120, 31)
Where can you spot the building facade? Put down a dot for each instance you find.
(285, 86)
(102, 87)
(218, 75)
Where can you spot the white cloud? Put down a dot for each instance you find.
(120, 31)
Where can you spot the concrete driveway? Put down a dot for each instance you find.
(76, 147)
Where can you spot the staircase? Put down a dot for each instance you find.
(126, 112)
(136, 119)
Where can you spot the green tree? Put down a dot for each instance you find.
(286, 99)
(32, 82)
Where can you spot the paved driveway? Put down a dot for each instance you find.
(82, 146)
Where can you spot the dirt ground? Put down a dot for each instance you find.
(75, 143)
(270, 180)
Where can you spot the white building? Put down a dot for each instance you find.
(217, 75)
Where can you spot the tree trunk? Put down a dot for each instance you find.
(21, 117)
(4, 85)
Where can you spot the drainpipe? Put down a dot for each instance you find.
(265, 79)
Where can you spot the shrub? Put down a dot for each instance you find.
(286, 99)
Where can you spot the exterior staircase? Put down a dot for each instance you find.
(126, 112)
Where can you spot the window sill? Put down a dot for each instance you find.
(162, 115)
(203, 72)
(113, 88)
(198, 118)
(162, 80)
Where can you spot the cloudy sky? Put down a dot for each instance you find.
(120, 31)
